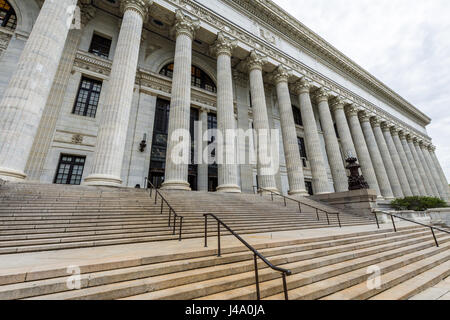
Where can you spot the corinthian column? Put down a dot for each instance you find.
(26, 95)
(440, 172)
(396, 160)
(414, 146)
(409, 174)
(387, 160)
(415, 172)
(226, 125)
(337, 106)
(319, 172)
(112, 133)
(266, 174)
(375, 155)
(290, 142)
(415, 165)
(435, 176)
(426, 165)
(179, 144)
(331, 143)
(361, 149)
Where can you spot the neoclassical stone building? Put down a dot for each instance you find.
(95, 102)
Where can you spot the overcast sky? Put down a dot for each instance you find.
(403, 43)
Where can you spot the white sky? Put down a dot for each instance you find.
(403, 43)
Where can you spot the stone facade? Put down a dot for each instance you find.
(259, 74)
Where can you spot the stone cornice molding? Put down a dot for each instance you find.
(139, 6)
(322, 95)
(223, 45)
(302, 86)
(281, 74)
(255, 61)
(185, 25)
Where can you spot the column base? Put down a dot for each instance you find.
(12, 175)
(228, 188)
(103, 180)
(176, 185)
(302, 193)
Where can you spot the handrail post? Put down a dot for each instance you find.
(156, 197)
(300, 207)
(271, 194)
(181, 228)
(206, 231)
(170, 215)
(286, 296)
(162, 205)
(174, 223)
(376, 219)
(317, 213)
(258, 293)
(339, 219)
(218, 239)
(393, 223)
(328, 218)
(285, 204)
(434, 236)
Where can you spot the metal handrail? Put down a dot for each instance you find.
(272, 193)
(256, 254)
(412, 221)
(171, 210)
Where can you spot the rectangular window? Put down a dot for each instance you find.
(70, 170)
(88, 98)
(297, 116)
(100, 46)
(301, 147)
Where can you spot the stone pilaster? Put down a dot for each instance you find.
(414, 146)
(337, 106)
(401, 152)
(387, 160)
(396, 160)
(331, 142)
(226, 124)
(266, 174)
(375, 155)
(434, 173)
(312, 140)
(362, 150)
(25, 97)
(440, 172)
(112, 133)
(293, 161)
(178, 147)
(426, 165)
(47, 125)
(410, 159)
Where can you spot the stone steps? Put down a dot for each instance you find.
(185, 274)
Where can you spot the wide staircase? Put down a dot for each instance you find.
(36, 217)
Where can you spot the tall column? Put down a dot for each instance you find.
(47, 125)
(401, 152)
(361, 149)
(226, 124)
(435, 176)
(112, 133)
(203, 166)
(331, 143)
(26, 95)
(420, 150)
(440, 172)
(178, 144)
(413, 144)
(317, 161)
(375, 155)
(412, 164)
(337, 106)
(290, 142)
(266, 175)
(387, 160)
(396, 160)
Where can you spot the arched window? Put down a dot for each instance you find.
(199, 78)
(8, 18)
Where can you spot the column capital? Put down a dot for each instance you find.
(402, 135)
(432, 148)
(255, 61)
(415, 141)
(408, 137)
(223, 45)
(88, 12)
(322, 95)
(352, 110)
(363, 116)
(385, 126)
(281, 74)
(185, 25)
(140, 6)
(375, 121)
(302, 86)
(337, 103)
(394, 130)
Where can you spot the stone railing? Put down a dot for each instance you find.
(419, 216)
(440, 216)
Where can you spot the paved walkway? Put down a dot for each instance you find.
(154, 252)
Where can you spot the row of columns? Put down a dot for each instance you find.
(394, 163)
